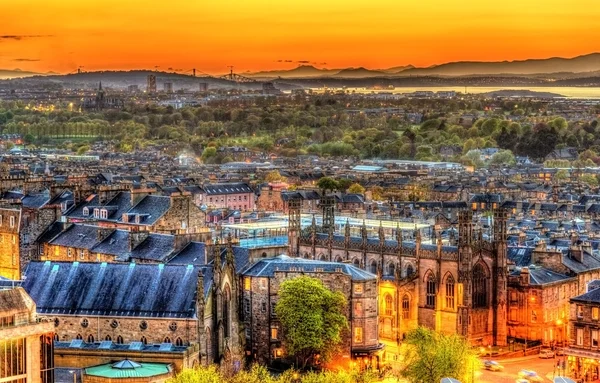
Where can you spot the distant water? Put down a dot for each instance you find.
(570, 92)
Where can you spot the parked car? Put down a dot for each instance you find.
(492, 365)
(530, 376)
(559, 351)
(546, 354)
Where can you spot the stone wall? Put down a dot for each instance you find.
(130, 329)
(10, 259)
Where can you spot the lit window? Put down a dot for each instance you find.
(274, 333)
(595, 338)
(358, 335)
(595, 313)
(389, 305)
(450, 292)
(247, 283)
(358, 288)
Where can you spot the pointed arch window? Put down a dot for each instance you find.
(480, 282)
(405, 307)
(388, 304)
(144, 340)
(450, 292)
(90, 339)
(409, 270)
(392, 269)
(373, 267)
(431, 290)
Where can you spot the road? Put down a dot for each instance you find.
(544, 368)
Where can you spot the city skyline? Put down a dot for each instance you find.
(61, 36)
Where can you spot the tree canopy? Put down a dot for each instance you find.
(312, 317)
(430, 356)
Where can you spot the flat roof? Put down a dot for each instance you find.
(306, 220)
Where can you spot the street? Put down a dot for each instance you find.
(544, 368)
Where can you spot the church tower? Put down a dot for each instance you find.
(499, 278)
(294, 226)
(465, 260)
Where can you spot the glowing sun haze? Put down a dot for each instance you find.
(60, 35)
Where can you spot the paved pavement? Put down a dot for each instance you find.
(544, 367)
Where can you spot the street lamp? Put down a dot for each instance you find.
(74, 375)
(527, 317)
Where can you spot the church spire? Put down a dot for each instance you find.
(100, 86)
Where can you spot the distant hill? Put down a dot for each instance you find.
(358, 73)
(303, 71)
(16, 73)
(579, 64)
(396, 69)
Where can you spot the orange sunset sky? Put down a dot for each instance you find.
(60, 35)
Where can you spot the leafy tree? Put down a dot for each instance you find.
(274, 176)
(327, 184)
(198, 375)
(83, 149)
(209, 153)
(343, 184)
(356, 188)
(430, 356)
(312, 318)
(29, 138)
(589, 179)
(561, 175)
(8, 145)
(503, 157)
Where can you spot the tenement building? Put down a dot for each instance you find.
(26, 346)
(182, 315)
(261, 283)
(455, 287)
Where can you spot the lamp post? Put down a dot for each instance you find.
(527, 317)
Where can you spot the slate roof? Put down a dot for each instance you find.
(113, 289)
(227, 188)
(541, 276)
(267, 267)
(152, 205)
(193, 253)
(157, 247)
(592, 296)
(35, 201)
(78, 236)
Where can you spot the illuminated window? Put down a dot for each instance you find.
(247, 282)
(388, 304)
(358, 288)
(274, 333)
(595, 313)
(358, 334)
(594, 338)
(450, 292)
(405, 307)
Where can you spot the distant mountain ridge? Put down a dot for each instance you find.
(579, 64)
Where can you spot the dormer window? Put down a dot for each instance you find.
(137, 218)
(86, 211)
(96, 213)
(104, 214)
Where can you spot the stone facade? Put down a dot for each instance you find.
(264, 335)
(458, 288)
(10, 252)
(25, 340)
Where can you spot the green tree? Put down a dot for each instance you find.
(561, 175)
(208, 153)
(503, 157)
(430, 356)
(274, 176)
(343, 184)
(589, 179)
(327, 184)
(198, 375)
(356, 188)
(312, 318)
(83, 149)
